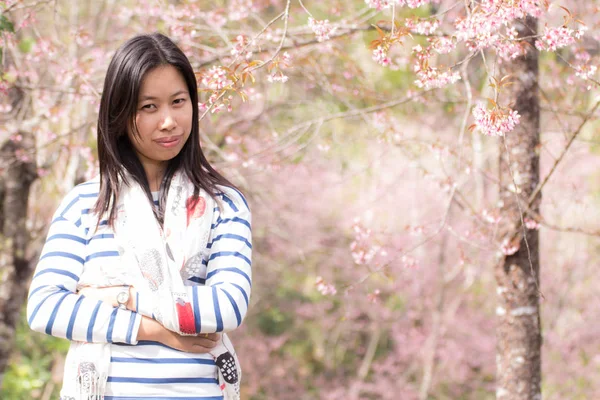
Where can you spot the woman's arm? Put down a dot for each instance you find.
(220, 305)
(53, 307)
(154, 331)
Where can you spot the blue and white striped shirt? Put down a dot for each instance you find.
(220, 294)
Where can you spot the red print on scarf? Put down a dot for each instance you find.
(195, 207)
(186, 317)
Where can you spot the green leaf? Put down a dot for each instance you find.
(6, 24)
(26, 44)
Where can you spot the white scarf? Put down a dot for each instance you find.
(161, 255)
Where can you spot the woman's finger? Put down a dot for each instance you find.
(207, 343)
(198, 349)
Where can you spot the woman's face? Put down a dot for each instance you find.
(163, 118)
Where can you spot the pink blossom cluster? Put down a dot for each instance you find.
(277, 77)
(531, 224)
(216, 78)
(276, 74)
(442, 44)
(241, 47)
(509, 48)
(325, 288)
(582, 55)
(4, 87)
(417, 3)
(509, 248)
(409, 261)
(432, 77)
(216, 103)
(42, 49)
(83, 38)
(429, 77)
(556, 37)
(415, 230)
(513, 9)
(479, 29)
(374, 296)
(321, 28)
(387, 127)
(383, 4)
(240, 9)
(422, 26)
(586, 71)
(217, 18)
(380, 56)
(362, 248)
(23, 155)
(495, 122)
(491, 217)
(535, 8)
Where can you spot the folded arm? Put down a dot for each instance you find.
(220, 303)
(54, 307)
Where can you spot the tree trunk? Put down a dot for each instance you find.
(17, 173)
(519, 337)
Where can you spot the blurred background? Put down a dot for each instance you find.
(376, 214)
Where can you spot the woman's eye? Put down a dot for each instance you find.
(148, 107)
(179, 101)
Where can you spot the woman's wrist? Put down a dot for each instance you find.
(151, 330)
(131, 303)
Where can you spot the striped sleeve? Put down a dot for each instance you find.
(53, 307)
(221, 305)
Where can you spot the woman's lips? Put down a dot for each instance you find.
(169, 142)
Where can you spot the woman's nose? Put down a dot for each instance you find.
(167, 123)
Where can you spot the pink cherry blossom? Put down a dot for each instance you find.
(409, 261)
(586, 71)
(508, 248)
(380, 55)
(241, 43)
(374, 296)
(417, 3)
(321, 28)
(432, 77)
(531, 224)
(555, 38)
(495, 122)
(422, 26)
(442, 44)
(491, 217)
(508, 47)
(277, 77)
(381, 4)
(216, 78)
(325, 288)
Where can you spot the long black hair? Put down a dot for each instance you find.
(118, 107)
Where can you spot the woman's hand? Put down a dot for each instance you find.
(153, 330)
(203, 343)
(109, 294)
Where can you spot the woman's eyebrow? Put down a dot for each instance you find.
(146, 97)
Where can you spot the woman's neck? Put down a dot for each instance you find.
(155, 174)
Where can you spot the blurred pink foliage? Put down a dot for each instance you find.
(364, 266)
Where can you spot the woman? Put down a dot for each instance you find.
(145, 267)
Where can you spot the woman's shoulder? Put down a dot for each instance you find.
(233, 198)
(79, 200)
